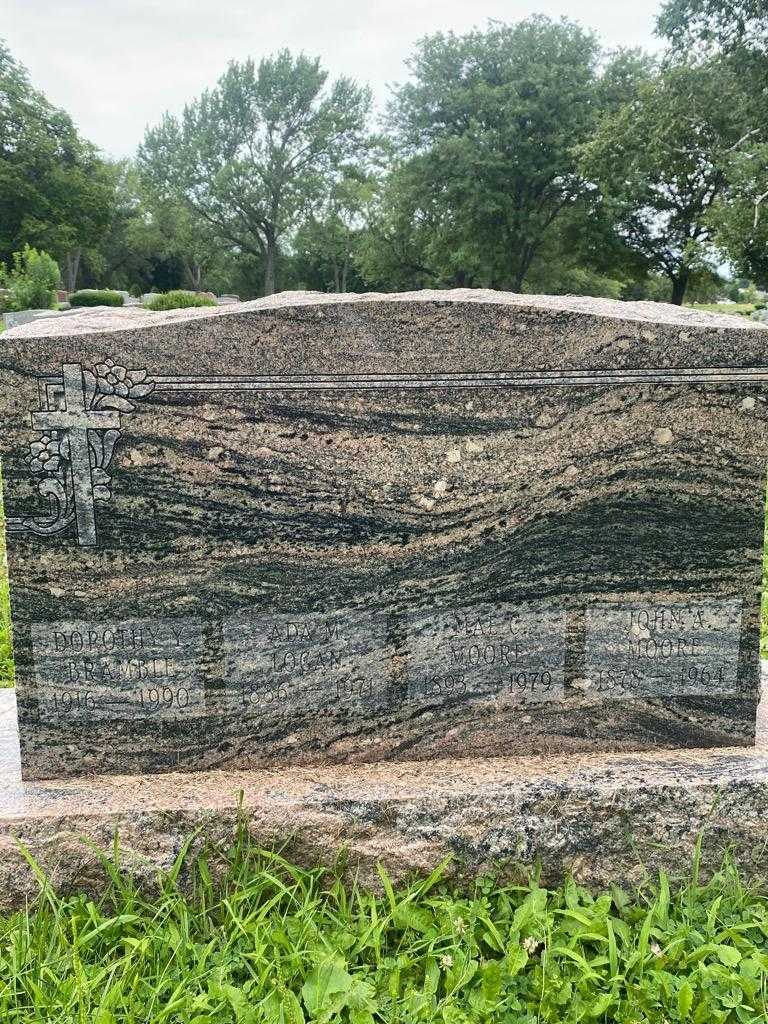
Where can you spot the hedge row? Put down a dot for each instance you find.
(178, 300)
(95, 297)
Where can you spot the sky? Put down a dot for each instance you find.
(116, 67)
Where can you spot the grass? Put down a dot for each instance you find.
(265, 942)
(739, 308)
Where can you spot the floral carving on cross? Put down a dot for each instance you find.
(74, 450)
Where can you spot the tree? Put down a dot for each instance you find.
(147, 242)
(252, 154)
(173, 231)
(712, 23)
(738, 33)
(583, 255)
(326, 242)
(622, 73)
(401, 247)
(127, 249)
(54, 191)
(661, 163)
(739, 218)
(85, 195)
(488, 125)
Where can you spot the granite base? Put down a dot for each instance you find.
(603, 818)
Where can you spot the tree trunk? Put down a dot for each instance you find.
(270, 265)
(679, 286)
(521, 273)
(72, 269)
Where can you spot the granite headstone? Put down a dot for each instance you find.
(329, 529)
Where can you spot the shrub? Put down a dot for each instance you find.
(95, 297)
(178, 300)
(32, 280)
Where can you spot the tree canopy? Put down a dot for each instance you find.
(737, 23)
(252, 154)
(661, 161)
(54, 191)
(489, 123)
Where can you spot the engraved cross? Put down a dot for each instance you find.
(75, 421)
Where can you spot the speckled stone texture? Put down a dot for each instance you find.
(319, 530)
(606, 819)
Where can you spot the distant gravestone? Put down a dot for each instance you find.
(321, 529)
(27, 316)
(22, 316)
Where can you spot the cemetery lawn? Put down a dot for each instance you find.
(264, 941)
(738, 308)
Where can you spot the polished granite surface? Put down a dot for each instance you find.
(436, 526)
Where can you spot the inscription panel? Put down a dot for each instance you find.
(144, 668)
(306, 664)
(651, 649)
(508, 653)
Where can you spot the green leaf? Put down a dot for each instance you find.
(613, 956)
(703, 1013)
(571, 894)
(727, 955)
(491, 980)
(431, 977)
(361, 1017)
(684, 1000)
(327, 979)
(244, 1012)
(282, 1007)
(662, 903)
(645, 933)
(516, 960)
(361, 997)
(601, 1004)
(712, 915)
(419, 919)
(577, 958)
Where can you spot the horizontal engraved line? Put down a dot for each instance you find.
(519, 379)
(514, 379)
